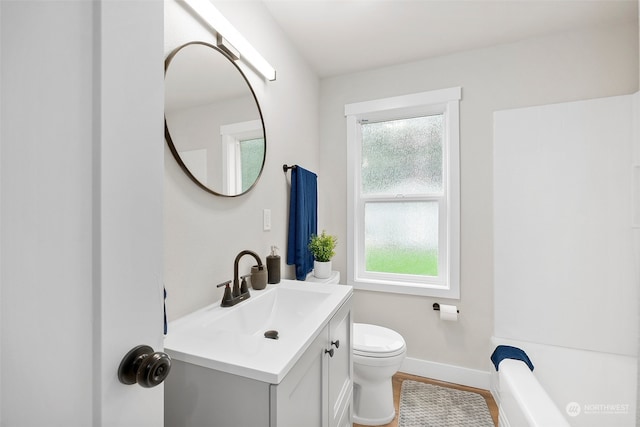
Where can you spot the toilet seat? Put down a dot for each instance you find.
(376, 341)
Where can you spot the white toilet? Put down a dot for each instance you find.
(333, 278)
(378, 353)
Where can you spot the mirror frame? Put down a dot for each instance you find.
(167, 134)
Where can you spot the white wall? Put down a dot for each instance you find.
(562, 225)
(545, 70)
(203, 233)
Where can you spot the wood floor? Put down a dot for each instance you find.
(397, 382)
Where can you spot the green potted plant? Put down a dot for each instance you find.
(322, 248)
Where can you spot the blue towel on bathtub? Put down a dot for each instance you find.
(507, 352)
(303, 220)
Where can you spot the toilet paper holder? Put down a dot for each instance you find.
(436, 307)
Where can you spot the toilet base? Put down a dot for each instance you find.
(373, 404)
(370, 422)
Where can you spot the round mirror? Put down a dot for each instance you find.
(212, 121)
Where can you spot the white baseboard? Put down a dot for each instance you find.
(449, 373)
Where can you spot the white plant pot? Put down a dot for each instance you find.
(322, 270)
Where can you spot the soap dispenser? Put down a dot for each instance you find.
(273, 266)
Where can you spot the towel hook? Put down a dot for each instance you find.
(285, 168)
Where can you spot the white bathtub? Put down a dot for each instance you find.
(568, 387)
(522, 400)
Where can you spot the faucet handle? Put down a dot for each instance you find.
(227, 283)
(226, 298)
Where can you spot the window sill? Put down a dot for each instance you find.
(406, 289)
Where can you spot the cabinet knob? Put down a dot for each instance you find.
(336, 343)
(330, 351)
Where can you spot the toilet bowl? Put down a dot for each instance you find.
(378, 353)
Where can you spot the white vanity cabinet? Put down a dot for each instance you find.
(316, 391)
(340, 370)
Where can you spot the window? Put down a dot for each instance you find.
(251, 157)
(404, 194)
(242, 155)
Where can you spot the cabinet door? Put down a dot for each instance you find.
(299, 399)
(341, 367)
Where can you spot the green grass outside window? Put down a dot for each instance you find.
(421, 262)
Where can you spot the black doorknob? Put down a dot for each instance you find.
(145, 367)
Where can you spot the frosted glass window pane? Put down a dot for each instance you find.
(251, 154)
(401, 237)
(402, 156)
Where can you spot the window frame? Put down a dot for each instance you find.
(447, 284)
(231, 136)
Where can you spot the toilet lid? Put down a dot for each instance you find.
(376, 341)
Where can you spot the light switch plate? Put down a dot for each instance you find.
(266, 219)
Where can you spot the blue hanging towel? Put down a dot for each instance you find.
(507, 352)
(303, 220)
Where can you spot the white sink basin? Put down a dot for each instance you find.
(231, 339)
(281, 309)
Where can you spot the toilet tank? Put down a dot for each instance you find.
(334, 278)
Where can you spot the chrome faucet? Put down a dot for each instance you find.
(240, 292)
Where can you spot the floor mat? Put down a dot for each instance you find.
(428, 405)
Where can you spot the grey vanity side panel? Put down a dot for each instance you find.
(195, 396)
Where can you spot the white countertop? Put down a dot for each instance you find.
(231, 339)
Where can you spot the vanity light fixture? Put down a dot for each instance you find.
(227, 48)
(230, 36)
